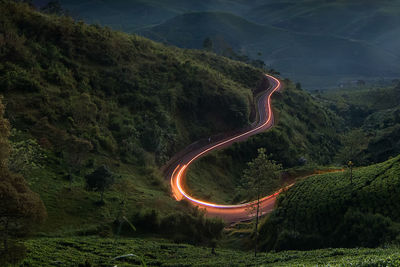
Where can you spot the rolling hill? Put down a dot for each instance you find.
(373, 109)
(132, 15)
(372, 21)
(81, 96)
(297, 55)
(328, 211)
(319, 43)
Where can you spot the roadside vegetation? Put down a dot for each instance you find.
(306, 136)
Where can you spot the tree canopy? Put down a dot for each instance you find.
(20, 209)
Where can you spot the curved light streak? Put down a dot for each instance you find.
(179, 192)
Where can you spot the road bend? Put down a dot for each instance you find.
(230, 213)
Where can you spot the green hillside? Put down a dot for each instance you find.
(81, 96)
(315, 42)
(305, 133)
(328, 211)
(374, 109)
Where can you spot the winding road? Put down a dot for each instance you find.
(230, 213)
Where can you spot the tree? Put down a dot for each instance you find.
(26, 155)
(360, 83)
(75, 153)
(53, 7)
(261, 177)
(20, 209)
(354, 142)
(99, 180)
(208, 44)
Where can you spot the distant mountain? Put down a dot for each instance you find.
(320, 43)
(298, 55)
(133, 14)
(373, 21)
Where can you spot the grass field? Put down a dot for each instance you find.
(101, 251)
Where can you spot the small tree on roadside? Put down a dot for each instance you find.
(261, 177)
(99, 180)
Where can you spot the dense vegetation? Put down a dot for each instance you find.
(96, 113)
(306, 132)
(329, 211)
(80, 97)
(102, 251)
(317, 42)
(21, 209)
(375, 111)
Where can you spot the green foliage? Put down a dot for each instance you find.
(15, 254)
(21, 209)
(374, 110)
(90, 96)
(190, 227)
(4, 134)
(103, 251)
(353, 144)
(125, 94)
(328, 211)
(262, 175)
(304, 132)
(26, 155)
(304, 129)
(99, 180)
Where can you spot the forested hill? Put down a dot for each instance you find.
(66, 82)
(81, 96)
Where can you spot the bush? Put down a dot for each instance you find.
(365, 230)
(15, 254)
(192, 227)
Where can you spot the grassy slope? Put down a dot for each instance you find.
(374, 24)
(137, 102)
(47, 251)
(326, 210)
(304, 128)
(376, 111)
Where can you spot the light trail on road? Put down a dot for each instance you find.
(238, 212)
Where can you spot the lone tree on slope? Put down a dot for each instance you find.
(99, 180)
(261, 177)
(354, 142)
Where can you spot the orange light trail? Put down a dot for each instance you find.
(178, 173)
